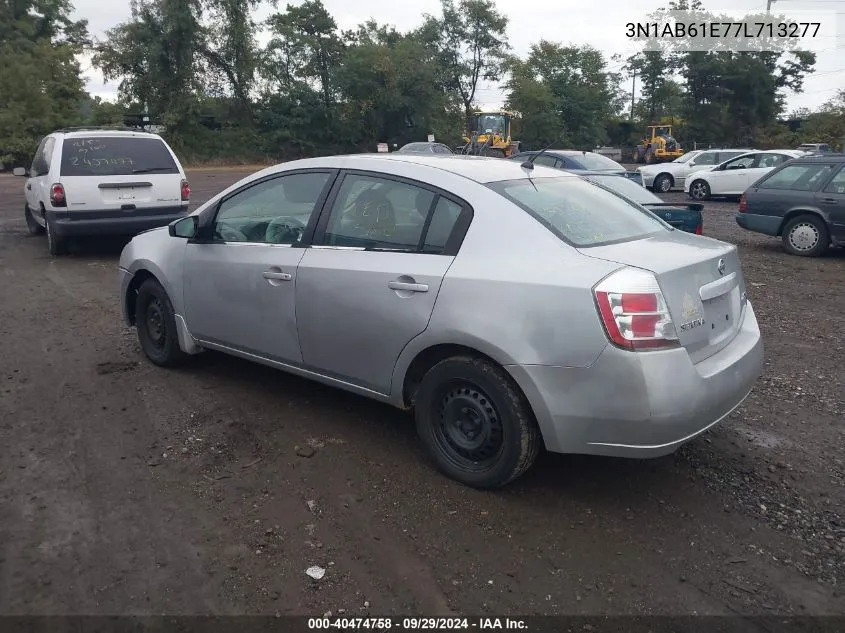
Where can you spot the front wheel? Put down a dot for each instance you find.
(663, 183)
(699, 190)
(475, 423)
(155, 320)
(806, 235)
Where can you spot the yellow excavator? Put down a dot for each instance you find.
(489, 134)
(660, 148)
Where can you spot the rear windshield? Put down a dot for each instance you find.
(579, 212)
(597, 161)
(116, 156)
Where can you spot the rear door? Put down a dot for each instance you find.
(36, 190)
(832, 202)
(368, 284)
(789, 188)
(763, 164)
(110, 173)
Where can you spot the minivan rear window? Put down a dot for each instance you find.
(116, 156)
(579, 212)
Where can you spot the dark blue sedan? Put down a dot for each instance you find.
(572, 160)
(686, 217)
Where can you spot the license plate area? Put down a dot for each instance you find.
(720, 314)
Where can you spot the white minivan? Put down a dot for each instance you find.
(102, 181)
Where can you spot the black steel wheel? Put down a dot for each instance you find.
(56, 244)
(155, 321)
(475, 422)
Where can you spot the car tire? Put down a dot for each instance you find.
(56, 244)
(31, 223)
(806, 236)
(155, 321)
(475, 422)
(699, 190)
(663, 183)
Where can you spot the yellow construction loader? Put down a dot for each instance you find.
(660, 148)
(489, 134)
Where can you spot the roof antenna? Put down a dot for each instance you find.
(529, 163)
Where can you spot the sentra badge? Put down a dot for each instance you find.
(690, 311)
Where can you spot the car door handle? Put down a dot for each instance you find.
(29, 186)
(829, 200)
(269, 274)
(404, 285)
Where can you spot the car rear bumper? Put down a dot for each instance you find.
(112, 222)
(766, 224)
(641, 404)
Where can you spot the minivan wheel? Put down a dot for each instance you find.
(699, 190)
(663, 183)
(31, 223)
(156, 324)
(475, 423)
(56, 243)
(806, 235)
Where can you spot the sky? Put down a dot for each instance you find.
(600, 23)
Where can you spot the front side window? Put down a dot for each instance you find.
(591, 161)
(743, 162)
(382, 214)
(799, 177)
(116, 156)
(579, 212)
(271, 212)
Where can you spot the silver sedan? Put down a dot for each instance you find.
(510, 308)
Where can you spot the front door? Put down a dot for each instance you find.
(239, 284)
(732, 177)
(369, 283)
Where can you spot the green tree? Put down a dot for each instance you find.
(471, 41)
(41, 87)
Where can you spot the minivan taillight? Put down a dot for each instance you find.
(634, 312)
(743, 204)
(698, 230)
(57, 195)
(186, 191)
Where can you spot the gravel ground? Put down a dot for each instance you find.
(127, 489)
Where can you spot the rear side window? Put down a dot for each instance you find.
(837, 185)
(596, 161)
(116, 156)
(798, 177)
(579, 212)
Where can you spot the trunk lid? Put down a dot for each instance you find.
(144, 191)
(706, 300)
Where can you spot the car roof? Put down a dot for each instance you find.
(481, 169)
(89, 132)
(837, 157)
(560, 152)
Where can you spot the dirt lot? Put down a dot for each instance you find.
(128, 489)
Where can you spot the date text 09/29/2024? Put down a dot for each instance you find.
(381, 624)
(720, 30)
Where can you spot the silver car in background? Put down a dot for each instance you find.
(510, 308)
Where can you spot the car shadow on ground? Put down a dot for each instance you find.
(583, 478)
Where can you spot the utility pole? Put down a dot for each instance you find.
(769, 4)
(633, 93)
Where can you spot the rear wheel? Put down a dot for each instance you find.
(806, 235)
(699, 190)
(663, 183)
(56, 243)
(155, 320)
(475, 423)
(31, 223)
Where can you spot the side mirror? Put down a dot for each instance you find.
(691, 163)
(19, 171)
(184, 227)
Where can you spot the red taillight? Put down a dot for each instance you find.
(186, 191)
(743, 204)
(639, 319)
(57, 196)
(698, 230)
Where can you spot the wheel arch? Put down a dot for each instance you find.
(794, 213)
(131, 296)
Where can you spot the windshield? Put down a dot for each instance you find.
(592, 161)
(116, 156)
(579, 212)
(627, 188)
(686, 157)
(491, 123)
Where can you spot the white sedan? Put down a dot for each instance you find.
(734, 176)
